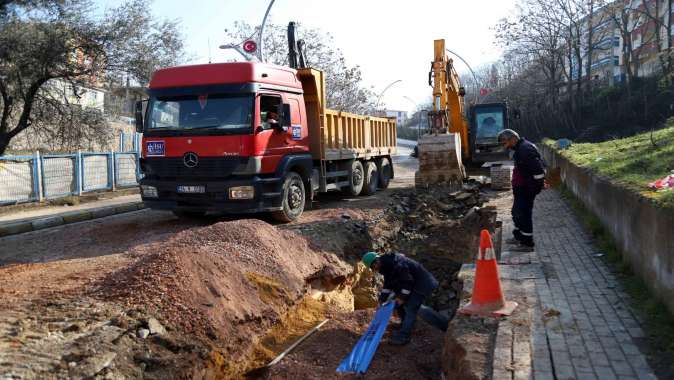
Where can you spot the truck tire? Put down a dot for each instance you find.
(356, 179)
(371, 179)
(293, 198)
(189, 214)
(385, 171)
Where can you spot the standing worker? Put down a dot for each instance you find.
(528, 180)
(410, 283)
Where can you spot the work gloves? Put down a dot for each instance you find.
(385, 295)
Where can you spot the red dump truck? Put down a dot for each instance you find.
(252, 137)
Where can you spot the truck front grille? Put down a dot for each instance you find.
(174, 167)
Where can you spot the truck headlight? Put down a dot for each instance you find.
(242, 192)
(149, 191)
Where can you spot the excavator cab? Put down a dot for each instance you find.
(486, 121)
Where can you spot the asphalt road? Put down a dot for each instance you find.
(118, 233)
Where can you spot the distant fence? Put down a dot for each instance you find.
(130, 142)
(39, 177)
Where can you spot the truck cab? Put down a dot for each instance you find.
(222, 137)
(252, 137)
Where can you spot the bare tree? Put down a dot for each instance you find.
(344, 82)
(536, 36)
(658, 22)
(629, 19)
(58, 41)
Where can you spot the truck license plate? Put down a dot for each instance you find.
(192, 189)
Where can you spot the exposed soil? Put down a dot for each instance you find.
(319, 356)
(149, 296)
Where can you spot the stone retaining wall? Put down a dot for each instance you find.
(643, 231)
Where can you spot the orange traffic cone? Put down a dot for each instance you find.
(488, 299)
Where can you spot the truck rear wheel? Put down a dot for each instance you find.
(385, 172)
(356, 178)
(371, 179)
(293, 198)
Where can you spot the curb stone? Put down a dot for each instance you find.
(16, 228)
(67, 218)
(53, 221)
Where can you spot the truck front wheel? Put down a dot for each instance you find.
(294, 198)
(371, 180)
(356, 178)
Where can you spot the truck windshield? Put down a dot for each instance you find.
(208, 111)
(489, 122)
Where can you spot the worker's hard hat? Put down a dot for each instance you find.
(369, 258)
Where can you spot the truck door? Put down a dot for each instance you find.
(276, 110)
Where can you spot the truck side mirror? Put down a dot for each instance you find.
(286, 115)
(139, 116)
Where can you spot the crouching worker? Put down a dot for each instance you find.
(411, 283)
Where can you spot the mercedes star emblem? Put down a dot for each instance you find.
(190, 159)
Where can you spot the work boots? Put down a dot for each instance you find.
(519, 246)
(399, 339)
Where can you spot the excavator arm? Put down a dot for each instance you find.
(448, 106)
(441, 149)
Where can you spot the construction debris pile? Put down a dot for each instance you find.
(447, 223)
(440, 228)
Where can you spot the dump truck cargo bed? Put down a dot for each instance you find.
(337, 135)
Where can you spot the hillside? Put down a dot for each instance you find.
(632, 161)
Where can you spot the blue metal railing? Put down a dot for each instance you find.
(32, 178)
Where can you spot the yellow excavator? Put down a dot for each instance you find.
(451, 140)
(441, 149)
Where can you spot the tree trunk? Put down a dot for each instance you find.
(590, 43)
(4, 142)
(669, 37)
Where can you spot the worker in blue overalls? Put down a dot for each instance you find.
(410, 283)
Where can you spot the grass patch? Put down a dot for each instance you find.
(632, 161)
(658, 321)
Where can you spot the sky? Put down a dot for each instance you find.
(390, 40)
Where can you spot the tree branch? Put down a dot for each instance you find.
(29, 98)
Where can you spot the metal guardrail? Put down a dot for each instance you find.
(39, 177)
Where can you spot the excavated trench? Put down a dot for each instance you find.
(439, 229)
(234, 295)
(220, 300)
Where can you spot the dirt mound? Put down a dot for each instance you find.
(224, 285)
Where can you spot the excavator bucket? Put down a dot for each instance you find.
(440, 151)
(439, 160)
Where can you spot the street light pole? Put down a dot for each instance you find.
(260, 56)
(376, 105)
(471, 71)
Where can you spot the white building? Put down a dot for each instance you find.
(401, 116)
(67, 93)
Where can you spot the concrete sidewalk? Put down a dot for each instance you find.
(50, 216)
(573, 320)
(586, 327)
